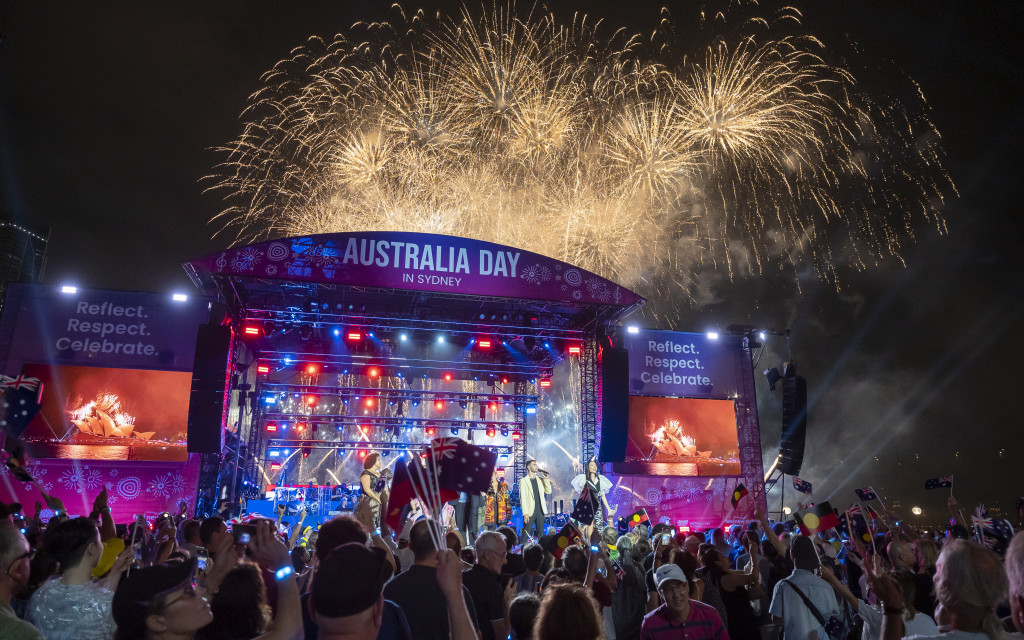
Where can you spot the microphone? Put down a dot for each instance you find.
(542, 471)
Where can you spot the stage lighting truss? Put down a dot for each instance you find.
(289, 445)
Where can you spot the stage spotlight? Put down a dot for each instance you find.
(712, 335)
(455, 431)
(402, 337)
(439, 404)
(493, 405)
(504, 432)
(300, 427)
(275, 466)
(484, 343)
(545, 383)
(272, 427)
(262, 368)
(337, 331)
(771, 374)
(312, 369)
(531, 410)
(633, 329)
(574, 350)
(67, 288)
(369, 402)
(447, 377)
(516, 435)
(490, 432)
(274, 453)
(430, 431)
(440, 339)
(504, 380)
(251, 330)
(365, 429)
(311, 401)
(361, 454)
(179, 297)
(373, 372)
(354, 336)
(370, 334)
(463, 403)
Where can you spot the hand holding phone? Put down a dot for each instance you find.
(243, 533)
(665, 539)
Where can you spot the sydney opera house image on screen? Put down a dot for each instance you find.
(109, 414)
(682, 437)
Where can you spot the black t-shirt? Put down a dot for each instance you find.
(514, 565)
(488, 598)
(417, 592)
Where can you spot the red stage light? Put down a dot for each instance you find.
(263, 368)
(490, 432)
(300, 427)
(312, 369)
(684, 528)
(275, 466)
(272, 427)
(251, 330)
(447, 377)
(431, 431)
(365, 429)
(516, 435)
(311, 401)
(575, 350)
(493, 406)
(354, 335)
(545, 383)
(504, 381)
(439, 404)
(373, 372)
(361, 454)
(369, 402)
(484, 344)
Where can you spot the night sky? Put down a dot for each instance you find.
(109, 113)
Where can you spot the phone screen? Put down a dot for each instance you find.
(665, 538)
(243, 533)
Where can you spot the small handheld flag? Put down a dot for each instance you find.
(738, 494)
(938, 483)
(820, 517)
(867, 493)
(640, 517)
(801, 485)
(566, 537)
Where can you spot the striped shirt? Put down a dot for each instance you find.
(703, 623)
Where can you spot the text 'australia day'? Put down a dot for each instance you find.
(433, 258)
(107, 328)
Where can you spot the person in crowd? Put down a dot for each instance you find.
(567, 612)
(191, 541)
(629, 601)
(597, 487)
(914, 623)
(240, 609)
(369, 507)
(692, 545)
(789, 609)
(926, 552)
(417, 590)
(529, 581)
(736, 589)
(513, 560)
(490, 595)
(1015, 580)
(15, 555)
(212, 532)
(555, 576)
(680, 617)
(707, 556)
(522, 614)
(71, 604)
(718, 540)
(970, 583)
(533, 492)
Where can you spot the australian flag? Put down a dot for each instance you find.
(938, 483)
(801, 485)
(21, 398)
(867, 493)
(462, 466)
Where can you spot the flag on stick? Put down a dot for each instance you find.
(939, 483)
(640, 517)
(567, 536)
(867, 493)
(871, 513)
(801, 485)
(738, 494)
(820, 517)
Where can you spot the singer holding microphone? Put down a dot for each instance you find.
(532, 491)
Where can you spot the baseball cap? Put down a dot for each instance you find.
(668, 572)
(142, 587)
(350, 580)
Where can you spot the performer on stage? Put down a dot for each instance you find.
(533, 492)
(496, 511)
(597, 487)
(374, 492)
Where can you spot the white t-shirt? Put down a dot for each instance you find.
(921, 625)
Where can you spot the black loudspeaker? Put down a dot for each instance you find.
(794, 424)
(614, 404)
(209, 389)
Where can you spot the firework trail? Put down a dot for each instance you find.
(645, 159)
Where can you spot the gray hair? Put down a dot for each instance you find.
(971, 577)
(488, 541)
(1015, 565)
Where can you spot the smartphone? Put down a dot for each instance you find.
(201, 559)
(619, 571)
(665, 538)
(243, 533)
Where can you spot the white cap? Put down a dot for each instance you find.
(668, 572)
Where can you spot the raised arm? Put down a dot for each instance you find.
(769, 533)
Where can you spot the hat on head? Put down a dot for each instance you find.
(668, 572)
(143, 587)
(350, 580)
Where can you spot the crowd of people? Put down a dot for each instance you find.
(177, 577)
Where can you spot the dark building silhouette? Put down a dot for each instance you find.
(22, 253)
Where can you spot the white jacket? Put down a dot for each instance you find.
(526, 494)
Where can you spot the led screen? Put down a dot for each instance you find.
(109, 414)
(682, 437)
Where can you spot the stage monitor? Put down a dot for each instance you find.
(682, 437)
(99, 413)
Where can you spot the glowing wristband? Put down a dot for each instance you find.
(284, 572)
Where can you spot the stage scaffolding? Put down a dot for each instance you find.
(326, 372)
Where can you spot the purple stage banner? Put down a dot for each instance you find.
(147, 488)
(684, 365)
(98, 328)
(413, 261)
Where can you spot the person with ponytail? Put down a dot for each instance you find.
(969, 584)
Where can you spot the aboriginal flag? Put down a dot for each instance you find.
(738, 494)
(820, 517)
(640, 517)
(566, 537)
